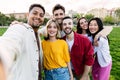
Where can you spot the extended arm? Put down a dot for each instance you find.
(106, 31)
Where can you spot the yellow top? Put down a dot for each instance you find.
(55, 54)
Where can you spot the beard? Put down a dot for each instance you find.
(35, 26)
(68, 32)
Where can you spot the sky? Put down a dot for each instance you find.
(82, 6)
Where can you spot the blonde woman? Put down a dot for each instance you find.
(56, 58)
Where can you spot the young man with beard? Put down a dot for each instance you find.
(20, 47)
(81, 50)
(58, 14)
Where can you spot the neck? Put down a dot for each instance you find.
(70, 36)
(52, 39)
(84, 32)
(35, 29)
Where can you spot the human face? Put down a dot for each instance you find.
(36, 17)
(67, 26)
(52, 30)
(83, 24)
(58, 15)
(93, 27)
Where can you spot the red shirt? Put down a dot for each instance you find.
(81, 53)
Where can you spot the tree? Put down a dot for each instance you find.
(89, 16)
(117, 12)
(109, 20)
(3, 19)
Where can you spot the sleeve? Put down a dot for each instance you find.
(89, 52)
(66, 52)
(11, 44)
(106, 31)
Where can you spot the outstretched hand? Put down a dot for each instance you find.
(15, 22)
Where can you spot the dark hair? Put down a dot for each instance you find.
(66, 17)
(58, 6)
(36, 5)
(99, 23)
(79, 29)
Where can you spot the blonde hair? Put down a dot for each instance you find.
(57, 25)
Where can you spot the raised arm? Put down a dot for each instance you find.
(105, 32)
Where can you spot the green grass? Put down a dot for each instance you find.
(114, 38)
(115, 52)
(2, 30)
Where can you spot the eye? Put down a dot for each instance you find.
(81, 23)
(56, 14)
(64, 24)
(69, 23)
(35, 13)
(41, 15)
(61, 13)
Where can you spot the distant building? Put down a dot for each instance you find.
(17, 15)
(24, 15)
(102, 12)
(99, 12)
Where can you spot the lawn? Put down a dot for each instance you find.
(114, 38)
(115, 52)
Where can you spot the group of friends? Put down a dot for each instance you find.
(64, 54)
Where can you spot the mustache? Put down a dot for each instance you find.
(67, 28)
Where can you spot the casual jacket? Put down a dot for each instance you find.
(20, 46)
(81, 53)
(103, 52)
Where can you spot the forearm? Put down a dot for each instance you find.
(86, 71)
(70, 70)
(105, 32)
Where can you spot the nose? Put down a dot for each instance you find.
(59, 16)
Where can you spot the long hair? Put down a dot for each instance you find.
(79, 29)
(99, 23)
(58, 27)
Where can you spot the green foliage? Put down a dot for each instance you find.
(89, 16)
(45, 21)
(5, 21)
(2, 30)
(22, 20)
(115, 52)
(117, 12)
(77, 15)
(109, 20)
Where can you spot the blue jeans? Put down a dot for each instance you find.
(57, 74)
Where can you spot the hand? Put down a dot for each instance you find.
(95, 43)
(71, 78)
(85, 77)
(15, 22)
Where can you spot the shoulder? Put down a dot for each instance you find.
(81, 37)
(19, 27)
(102, 39)
(43, 41)
(61, 41)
